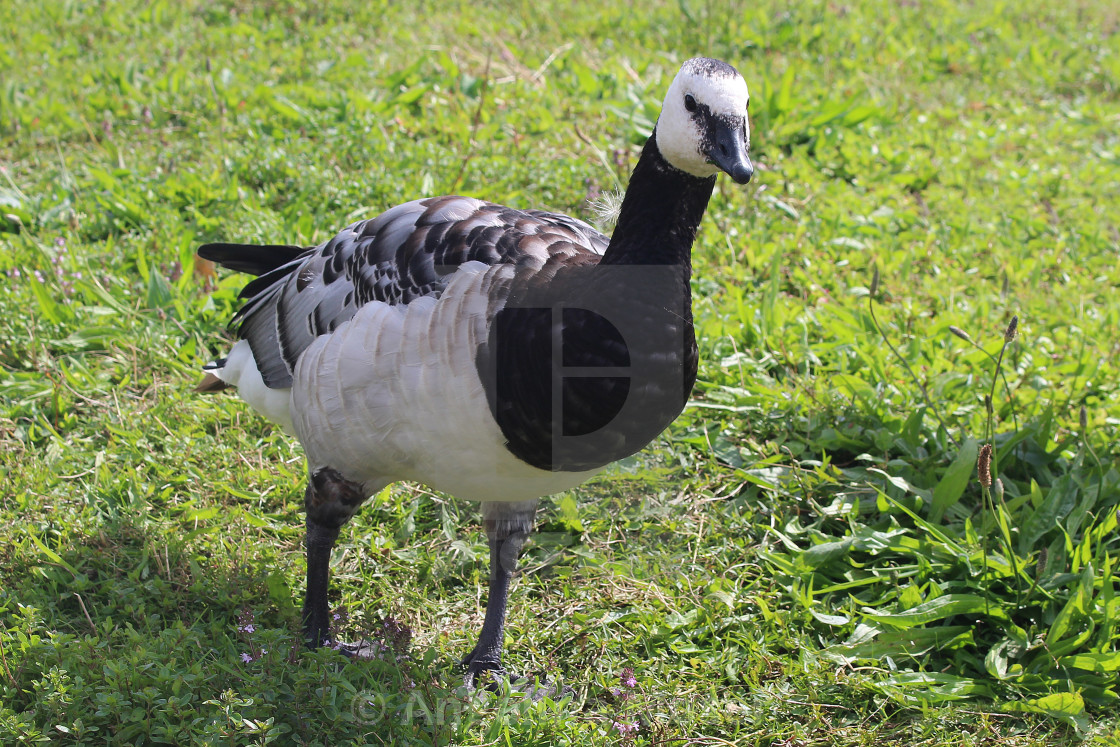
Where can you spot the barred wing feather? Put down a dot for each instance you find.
(407, 252)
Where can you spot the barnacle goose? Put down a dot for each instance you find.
(496, 354)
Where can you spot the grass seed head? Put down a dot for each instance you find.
(960, 333)
(984, 465)
(1083, 419)
(875, 281)
(1012, 330)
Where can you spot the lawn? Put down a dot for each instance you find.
(923, 275)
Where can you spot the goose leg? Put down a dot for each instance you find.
(316, 612)
(330, 501)
(487, 653)
(507, 527)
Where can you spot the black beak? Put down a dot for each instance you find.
(729, 151)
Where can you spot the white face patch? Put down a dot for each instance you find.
(714, 86)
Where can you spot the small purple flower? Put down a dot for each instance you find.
(627, 677)
(246, 658)
(15, 273)
(337, 617)
(626, 727)
(39, 276)
(245, 621)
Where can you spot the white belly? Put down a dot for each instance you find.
(394, 394)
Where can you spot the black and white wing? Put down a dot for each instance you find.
(408, 252)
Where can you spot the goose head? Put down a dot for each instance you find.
(703, 126)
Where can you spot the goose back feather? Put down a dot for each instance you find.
(407, 252)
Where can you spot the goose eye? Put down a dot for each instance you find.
(689, 102)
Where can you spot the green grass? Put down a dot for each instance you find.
(806, 557)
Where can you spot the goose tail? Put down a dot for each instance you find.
(252, 259)
(211, 382)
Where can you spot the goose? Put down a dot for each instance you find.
(492, 353)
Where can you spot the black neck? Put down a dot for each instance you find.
(660, 213)
(634, 325)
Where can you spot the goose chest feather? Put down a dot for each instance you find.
(492, 353)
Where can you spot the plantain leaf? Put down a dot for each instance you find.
(938, 609)
(1067, 707)
(954, 481)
